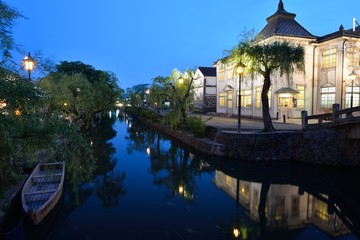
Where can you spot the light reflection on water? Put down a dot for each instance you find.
(148, 186)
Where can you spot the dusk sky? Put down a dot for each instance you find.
(141, 39)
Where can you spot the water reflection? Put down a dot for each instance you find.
(280, 197)
(154, 183)
(270, 198)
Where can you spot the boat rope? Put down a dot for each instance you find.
(12, 230)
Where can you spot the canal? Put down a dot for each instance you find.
(147, 186)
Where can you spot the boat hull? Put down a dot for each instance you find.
(42, 190)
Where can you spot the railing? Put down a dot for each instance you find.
(337, 117)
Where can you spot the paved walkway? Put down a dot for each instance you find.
(231, 123)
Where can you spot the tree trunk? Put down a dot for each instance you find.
(262, 205)
(268, 126)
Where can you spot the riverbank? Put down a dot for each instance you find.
(322, 147)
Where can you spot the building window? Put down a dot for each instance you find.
(321, 210)
(353, 56)
(255, 200)
(295, 207)
(230, 99)
(327, 95)
(355, 93)
(245, 98)
(329, 58)
(245, 191)
(221, 71)
(258, 97)
(228, 181)
(222, 99)
(300, 97)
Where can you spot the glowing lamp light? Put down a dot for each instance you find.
(28, 64)
(236, 232)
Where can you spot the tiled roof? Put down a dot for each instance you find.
(282, 23)
(340, 33)
(208, 71)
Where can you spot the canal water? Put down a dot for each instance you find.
(147, 186)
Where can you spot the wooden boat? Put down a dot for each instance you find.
(42, 190)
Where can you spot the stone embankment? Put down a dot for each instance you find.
(325, 147)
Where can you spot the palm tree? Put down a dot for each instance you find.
(265, 58)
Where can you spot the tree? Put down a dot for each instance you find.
(7, 17)
(265, 58)
(80, 91)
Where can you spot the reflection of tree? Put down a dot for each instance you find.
(108, 184)
(109, 188)
(78, 192)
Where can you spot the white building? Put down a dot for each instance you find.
(330, 60)
(205, 89)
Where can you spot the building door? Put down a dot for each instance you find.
(285, 105)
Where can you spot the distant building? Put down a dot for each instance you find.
(205, 89)
(332, 72)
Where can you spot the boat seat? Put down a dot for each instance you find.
(49, 175)
(41, 192)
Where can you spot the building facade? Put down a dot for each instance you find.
(204, 89)
(331, 73)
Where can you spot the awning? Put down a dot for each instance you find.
(228, 88)
(287, 90)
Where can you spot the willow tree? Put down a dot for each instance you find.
(266, 59)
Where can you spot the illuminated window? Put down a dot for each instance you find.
(255, 200)
(228, 181)
(355, 93)
(300, 97)
(230, 99)
(245, 190)
(321, 210)
(327, 97)
(258, 97)
(245, 98)
(222, 99)
(329, 58)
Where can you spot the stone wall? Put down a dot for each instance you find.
(326, 147)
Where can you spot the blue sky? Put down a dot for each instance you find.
(141, 39)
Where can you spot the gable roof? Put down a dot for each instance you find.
(208, 71)
(283, 23)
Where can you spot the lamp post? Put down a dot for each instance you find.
(240, 70)
(352, 77)
(28, 64)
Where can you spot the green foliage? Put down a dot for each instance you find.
(7, 16)
(173, 119)
(79, 91)
(150, 115)
(196, 126)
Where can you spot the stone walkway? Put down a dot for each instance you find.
(231, 123)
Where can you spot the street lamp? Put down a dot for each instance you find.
(240, 70)
(352, 77)
(28, 64)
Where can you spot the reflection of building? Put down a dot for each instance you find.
(205, 89)
(286, 205)
(329, 60)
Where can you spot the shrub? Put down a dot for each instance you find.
(195, 125)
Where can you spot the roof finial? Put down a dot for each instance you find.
(281, 5)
